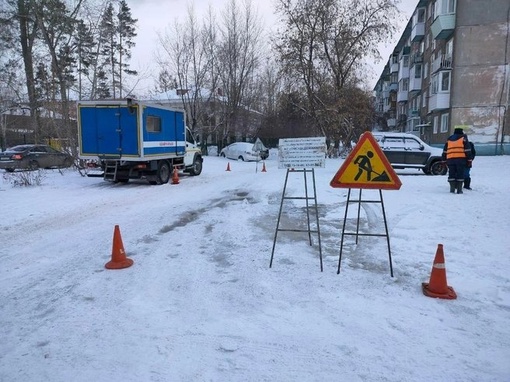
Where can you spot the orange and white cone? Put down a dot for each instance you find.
(263, 167)
(438, 286)
(119, 259)
(175, 177)
(228, 167)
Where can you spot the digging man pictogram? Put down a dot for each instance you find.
(364, 165)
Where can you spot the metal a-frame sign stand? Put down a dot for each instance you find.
(366, 167)
(306, 198)
(301, 155)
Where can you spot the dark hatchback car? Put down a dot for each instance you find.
(33, 157)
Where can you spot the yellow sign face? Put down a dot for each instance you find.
(366, 167)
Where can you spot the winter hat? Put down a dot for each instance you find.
(458, 130)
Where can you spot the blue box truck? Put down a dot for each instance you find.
(136, 140)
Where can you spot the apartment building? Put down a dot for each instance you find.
(450, 68)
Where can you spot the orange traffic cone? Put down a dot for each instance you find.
(228, 167)
(438, 286)
(119, 259)
(263, 167)
(175, 177)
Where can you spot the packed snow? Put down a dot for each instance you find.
(200, 302)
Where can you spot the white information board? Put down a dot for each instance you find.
(302, 152)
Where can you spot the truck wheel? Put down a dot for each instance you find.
(163, 172)
(196, 169)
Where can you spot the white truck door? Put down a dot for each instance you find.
(191, 148)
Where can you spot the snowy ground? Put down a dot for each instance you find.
(200, 302)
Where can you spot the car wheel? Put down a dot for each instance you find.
(240, 158)
(33, 165)
(438, 168)
(9, 169)
(163, 172)
(222, 155)
(196, 169)
(68, 162)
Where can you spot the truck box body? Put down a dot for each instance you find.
(134, 140)
(114, 130)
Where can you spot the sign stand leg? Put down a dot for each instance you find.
(357, 234)
(306, 198)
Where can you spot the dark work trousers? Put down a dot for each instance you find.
(456, 169)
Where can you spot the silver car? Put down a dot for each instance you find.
(244, 151)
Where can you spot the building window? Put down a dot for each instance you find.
(444, 123)
(404, 85)
(436, 121)
(424, 99)
(426, 70)
(445, 81)
(421, 15)
(444, 7)
(449, 49)
(406, 61)
(433, 84)
(417, 71)
(153, 124)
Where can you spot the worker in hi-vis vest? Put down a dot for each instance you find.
(456, 153)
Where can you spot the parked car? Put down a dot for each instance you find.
(33, 157)
(244, 151)
(408, 151)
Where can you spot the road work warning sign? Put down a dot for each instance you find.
(366, 167)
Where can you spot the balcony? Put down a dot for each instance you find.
(394, 67)
(443, 62)
(402, 96)
(392, 122)
(414, 84)
(443, 26)
(417, 58)
(393, 86)
(403, 72)
(439, 101)
(418, 32)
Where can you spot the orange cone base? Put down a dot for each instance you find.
(449, 295)
(175, 177)
(126, 263)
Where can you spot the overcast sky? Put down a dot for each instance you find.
(154, 16)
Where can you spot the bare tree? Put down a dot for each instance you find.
(238, 58)
(323, 47)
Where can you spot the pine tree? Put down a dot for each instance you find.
(126, 33)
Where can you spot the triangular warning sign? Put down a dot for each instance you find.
(366, 167)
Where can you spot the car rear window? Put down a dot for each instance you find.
(18, 148)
